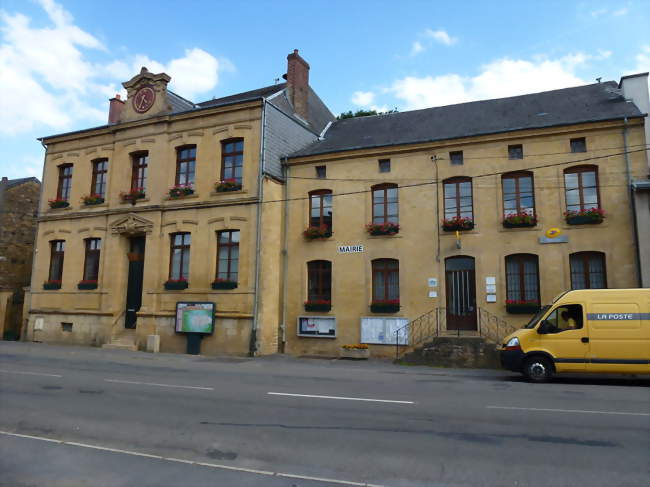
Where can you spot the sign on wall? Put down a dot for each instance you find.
(382, 331)
(195, 317)
(350, 249)
(318, 326)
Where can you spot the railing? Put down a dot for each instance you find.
(115, 323)
(493, 328)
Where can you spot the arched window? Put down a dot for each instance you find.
(581, 187)
(385, 204)
(522, 278)
(518, 193)
(588, 270)
(458, 198)
(320, 208)
(185, 165)
(232, 160)
(385, 279)
(319, 280)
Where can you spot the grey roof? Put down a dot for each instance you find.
(590, 103)
(246, 95)
(178, 103)
(17, 182)
(319, 114)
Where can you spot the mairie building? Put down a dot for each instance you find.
(310, 233)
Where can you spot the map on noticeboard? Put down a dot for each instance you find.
(192, 317)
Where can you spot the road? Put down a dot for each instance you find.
(72, 416)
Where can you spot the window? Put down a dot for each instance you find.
(456, 158)
(65, 182)
(100, 173)
(385, 279)
(67, 327)
(518, 194)
(564, 318)
(384, 165)
(57, 248)
(384, 204)
(320, 208)
(319, 280)
(588, 270)
(179, 265)
(579, 145)
(522, 278)
(140, 161)
(458, 198)
(515, 151)
(91, 261)
(232, 159)
(185, 165)
(321, 172)
(581, 186)
(228, 255)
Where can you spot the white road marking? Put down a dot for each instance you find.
(568, 411)
(190, 462)
(29, 373)
(339, 397)
(118, 381)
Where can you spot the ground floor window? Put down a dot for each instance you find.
(588, 270)
(179, 266)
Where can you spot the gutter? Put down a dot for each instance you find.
(635, 229)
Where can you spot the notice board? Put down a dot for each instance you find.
(381, 330)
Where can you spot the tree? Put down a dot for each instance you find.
(362, 113)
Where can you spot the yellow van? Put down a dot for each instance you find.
(588, 330)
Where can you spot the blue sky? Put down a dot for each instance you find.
(61, 61)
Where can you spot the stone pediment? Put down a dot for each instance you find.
(131, 224)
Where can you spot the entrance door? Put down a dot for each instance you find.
(461, 293)
(134, 286)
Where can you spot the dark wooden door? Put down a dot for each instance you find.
(461, 293)
(134, 285)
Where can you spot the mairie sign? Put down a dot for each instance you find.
(350, 249)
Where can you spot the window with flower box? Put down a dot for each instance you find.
(518, 199)
(319, 285)
(91, 263)
(522, 283)
(320, 214)
(232, 160)
(100, 175)
(55, 274)
(459, 210)
(65, 182)
(227, 260)
(179, 262)
(385, 286)
(139, 163)
(582, 195)
(588, 270)
(185, 166)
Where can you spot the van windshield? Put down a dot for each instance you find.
(533, 321)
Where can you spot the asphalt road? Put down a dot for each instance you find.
(74, 416)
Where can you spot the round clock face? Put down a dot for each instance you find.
(143, 99)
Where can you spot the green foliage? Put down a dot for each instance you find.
(362, 113)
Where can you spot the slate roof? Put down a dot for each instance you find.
(319, 114)
(178, 103)
(246, 95)
(590, 103)
(17, 182)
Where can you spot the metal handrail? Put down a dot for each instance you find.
(418, 330)
(117, 320)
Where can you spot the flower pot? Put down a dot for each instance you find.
(176, 194)
(224, 285)
(384, 308)
(318, 307)
(354, 353)
(176, 285)
(226, 187)
(87, 285)
(315, 233)
(59, 204)
(97, 201)
(522, 309)
(376, 229)
(583, 220)
(507, 224)
(51, 285)
(453, 228)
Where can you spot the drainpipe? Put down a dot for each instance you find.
(252, 348)
(285, 258)
(434, 159)
(635, 229)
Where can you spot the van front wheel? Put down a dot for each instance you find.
(538, 369)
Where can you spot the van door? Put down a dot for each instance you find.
(566, 338)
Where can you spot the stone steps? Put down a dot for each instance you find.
(125, 340)
(454, 351)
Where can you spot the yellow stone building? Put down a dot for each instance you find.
(309, 233)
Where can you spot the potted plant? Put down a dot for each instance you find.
(520, 219)
(581, 217)
(355, 351)
(388, 228)
(385, 306)
(226, 185)
(457, 223)
(313, 232)
(52, 284)
(58, 203)
(220, 283)
(92, 199)
(87, 284)
(522, 306)
(180, 191)
(318, 305)
(176, 284)
(132, 195)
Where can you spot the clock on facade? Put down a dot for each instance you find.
(143, 99)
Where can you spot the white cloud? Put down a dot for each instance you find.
(441, 36)
(599, 12)
(643, 60)
(416, 48)
(500, 78)
(619, 12)
(363, 98)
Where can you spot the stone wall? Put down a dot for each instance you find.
(471, 352)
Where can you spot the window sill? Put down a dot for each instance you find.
(221, 193)
(139, 200)
(475, 230)
(65, 208)
(90, 207)
(384, 236)
(181, 198)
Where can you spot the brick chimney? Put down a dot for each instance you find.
(298, 84)
(115, 109)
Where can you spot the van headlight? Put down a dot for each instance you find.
(513, 344)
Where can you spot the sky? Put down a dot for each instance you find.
(60, 61)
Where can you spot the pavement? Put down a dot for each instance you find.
(74, 416)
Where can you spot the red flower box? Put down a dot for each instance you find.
(313, 233)
(590, 215)
(388, 228)
(58, 203)
(318, 305)
(132, 195)
(226, 185)
(457, 223)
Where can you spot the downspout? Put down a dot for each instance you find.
(285, 258)
(252, 347)
(635, 229)
(434, 159)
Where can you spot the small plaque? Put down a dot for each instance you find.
(558, 239)
(490, 280)
(491, 298)
(491, 288)
(350, 249)
(433, 282)
(433, 294)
